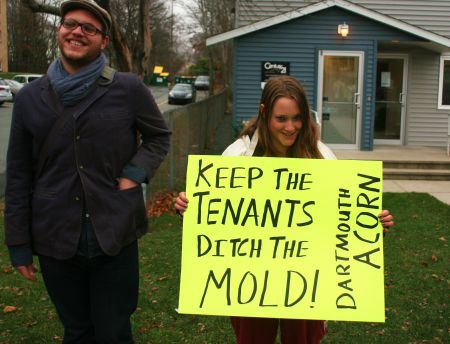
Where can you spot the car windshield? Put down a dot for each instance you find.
(182, 87)
(202, 78)
(14, 83)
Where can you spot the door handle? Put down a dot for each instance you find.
(401, 98)
(356, 98)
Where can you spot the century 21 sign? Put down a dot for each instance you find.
(270, 69)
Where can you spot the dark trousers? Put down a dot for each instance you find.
(94, 297)
(264, 330)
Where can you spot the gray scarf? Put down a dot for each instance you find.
(71, 88)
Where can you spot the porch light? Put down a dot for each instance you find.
(343, 29)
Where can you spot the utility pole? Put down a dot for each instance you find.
(3, 37)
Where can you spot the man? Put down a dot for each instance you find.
(73, 196)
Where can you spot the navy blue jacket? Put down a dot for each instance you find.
(83, 164)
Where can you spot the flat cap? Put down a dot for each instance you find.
(91, 6)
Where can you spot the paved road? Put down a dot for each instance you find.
(161, 93)
(5, 123)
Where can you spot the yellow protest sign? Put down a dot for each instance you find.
(283, 238)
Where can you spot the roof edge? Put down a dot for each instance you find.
(344, 4)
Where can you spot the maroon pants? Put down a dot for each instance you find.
(264, 330)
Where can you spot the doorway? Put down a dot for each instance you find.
(390, 99)
(339, 97)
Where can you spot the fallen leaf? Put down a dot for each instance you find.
(406, 325)
(435, 276)
(201, 328)
(9, 309)
(8, 270)
(161, 202)
(31, 324)
(434, 258)
(50, 315)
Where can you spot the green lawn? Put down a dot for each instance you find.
(417, 288)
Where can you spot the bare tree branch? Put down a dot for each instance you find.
(36, 7)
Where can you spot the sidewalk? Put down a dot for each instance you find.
(437, 188)
(225, 135)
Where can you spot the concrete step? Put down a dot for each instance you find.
(416, 174)
(411, 164)
(406, 163)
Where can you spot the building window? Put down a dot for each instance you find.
(444, 83)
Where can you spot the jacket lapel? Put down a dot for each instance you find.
(90, 98)
(50, 98)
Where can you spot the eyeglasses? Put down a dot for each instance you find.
(88, 29)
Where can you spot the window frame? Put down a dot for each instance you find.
(441, 82)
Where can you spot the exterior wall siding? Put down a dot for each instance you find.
(299, 42)
(426, 124)
(431, 15)
(250, 11)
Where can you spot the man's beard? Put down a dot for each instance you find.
(79, 62)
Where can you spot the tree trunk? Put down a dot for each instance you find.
(142, 59)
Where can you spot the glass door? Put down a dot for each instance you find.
(339, 97)
(390, 99)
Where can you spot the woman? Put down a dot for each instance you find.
(283, 128)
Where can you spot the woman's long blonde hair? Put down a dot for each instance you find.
(306, 144)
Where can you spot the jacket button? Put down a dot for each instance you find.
(77, 198)
(78, 137)
(81, 167)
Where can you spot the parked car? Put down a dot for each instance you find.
(5, 92)
(202, 82)
(15, 86)
(26, 78)
(182, 94)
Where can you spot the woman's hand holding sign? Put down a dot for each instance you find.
(181, 203)
(387, 220)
